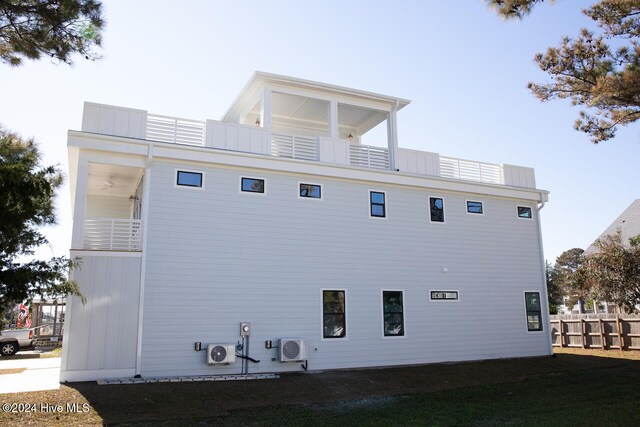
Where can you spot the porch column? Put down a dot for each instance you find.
(265, 108)
(392, 137)
(80, 201)
(333, 120)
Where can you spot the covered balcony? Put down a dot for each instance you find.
(112, 209)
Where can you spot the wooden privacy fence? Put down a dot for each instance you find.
(616, 333)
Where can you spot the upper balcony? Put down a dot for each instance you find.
(298, 119)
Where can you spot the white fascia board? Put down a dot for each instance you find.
(204, 156)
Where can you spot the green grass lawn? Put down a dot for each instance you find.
(605, 397)
(576, 388)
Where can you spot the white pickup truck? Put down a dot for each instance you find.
(12, 340)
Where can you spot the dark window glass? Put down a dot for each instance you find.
(534, 311)
(189, 179)
(474, 207)
(444, 295)
(436, 209)
(253, 185)
(333, 314)
(392, 307)
(310, 190)
(524, 212)
(377, 204)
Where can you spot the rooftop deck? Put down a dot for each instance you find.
(139, 124)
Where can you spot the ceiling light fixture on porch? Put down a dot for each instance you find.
(258, 121)
(350, 137)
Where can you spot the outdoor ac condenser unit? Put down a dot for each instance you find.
(292, 350)
(221, 354)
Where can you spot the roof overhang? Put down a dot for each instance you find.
(359, 109)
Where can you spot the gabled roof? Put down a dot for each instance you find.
(628, 222)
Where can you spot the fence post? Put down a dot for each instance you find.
(620, 337)
(602, 334)
(584, 338)
(560, 330)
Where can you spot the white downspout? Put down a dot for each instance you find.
(545, 313)
(146, 186)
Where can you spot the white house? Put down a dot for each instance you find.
(337, 254)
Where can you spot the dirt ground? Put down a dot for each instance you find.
(142, 403)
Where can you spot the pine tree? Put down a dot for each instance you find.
(54, 28)
(27, 191)
(605, 81)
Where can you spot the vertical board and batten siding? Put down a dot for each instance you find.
(217, 257)
(104, 331)
(110, 120)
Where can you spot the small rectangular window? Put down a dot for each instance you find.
(252, 185)
(474, 207)
(377, 203)
(310, 191)
(534, 311)
(189, 179)
(333, 314)
(436, 209)
(444, 295)
(393, 313)
(525, 212)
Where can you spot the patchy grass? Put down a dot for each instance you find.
(12, 371)
(56, 352)
(577, 386)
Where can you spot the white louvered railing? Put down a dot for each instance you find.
(175, 130)
(471, 171)
(112, 234)
(294, 147)
(369, 157)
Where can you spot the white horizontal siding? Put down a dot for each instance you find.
(218, 257)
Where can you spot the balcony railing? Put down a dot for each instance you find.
(112, 234)
(369, 157)
(139, 124)
(175, 130)
(294, 147)
(471, 171)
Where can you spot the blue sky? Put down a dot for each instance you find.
(464, 69)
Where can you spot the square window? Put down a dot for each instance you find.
(310, 191)
(474, 207)
(189, 179)
(393, 313)
(333, 314)
(377, 204)
(252, 185)
(436, 209)
(525, 212)
(534, 311)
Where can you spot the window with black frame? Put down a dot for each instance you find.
(189, 179)
(525, 212)
(474, 207)
(378, 204)
(252, 185)
(534, 311)
(436, 209)
(393, 313)
(310, 191)
(333, 314)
